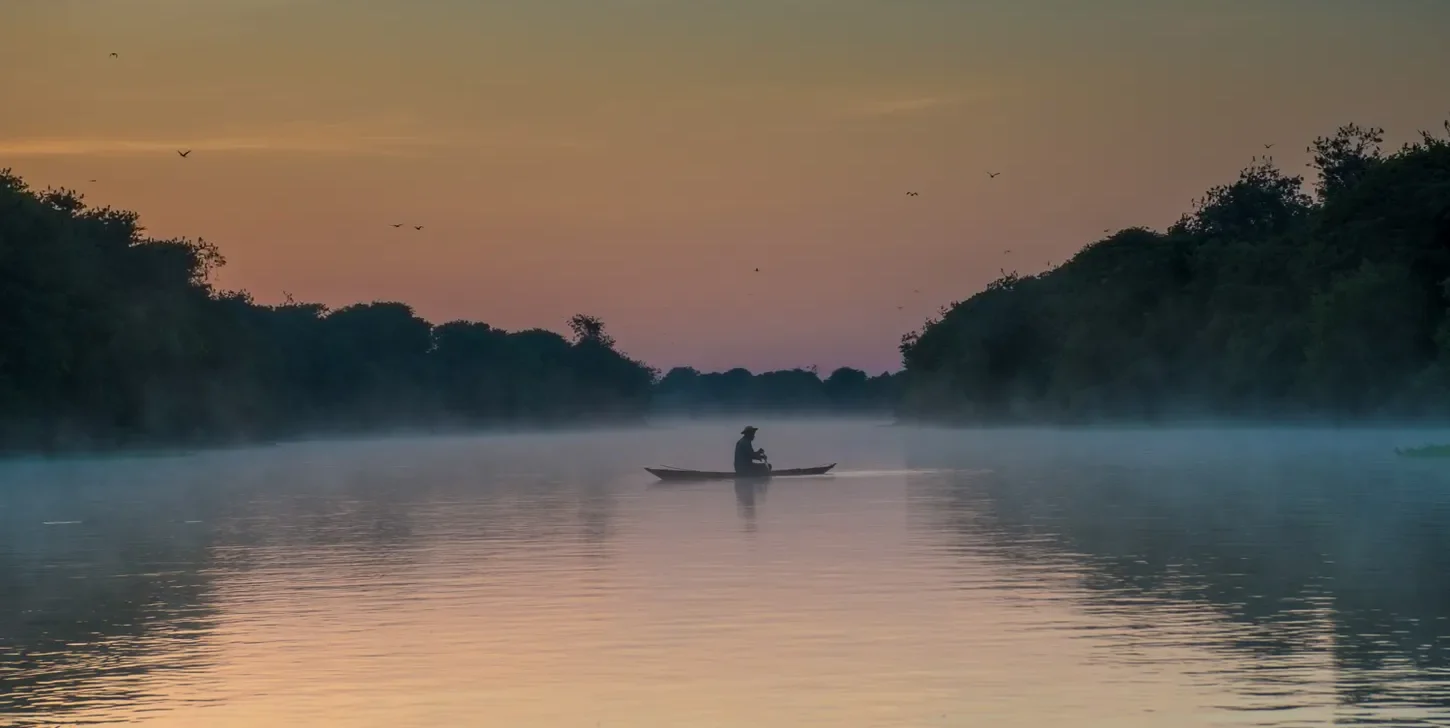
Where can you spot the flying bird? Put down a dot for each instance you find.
(1268, 146)
(993, 175)
(115, 55)
(397, 225)
(757, 270)
(912, 194)
(184, 154)
(417, 227)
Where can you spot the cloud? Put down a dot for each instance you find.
(327, 141)
(899, 106)
(97, 146)
(827, 100)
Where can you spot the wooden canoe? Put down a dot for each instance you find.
(669, 473)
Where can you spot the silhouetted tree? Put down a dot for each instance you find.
(589, 328)
(1345, 157)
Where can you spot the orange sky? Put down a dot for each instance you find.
(638, 159)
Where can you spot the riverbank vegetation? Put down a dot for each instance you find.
(1272, 299)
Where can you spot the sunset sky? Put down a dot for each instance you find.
(638, 159)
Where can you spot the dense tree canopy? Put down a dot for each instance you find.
(110, 337)
(1265, 301)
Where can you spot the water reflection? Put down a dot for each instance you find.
(1317, 553)
(110, 567)
(747, 492)
(95, 596)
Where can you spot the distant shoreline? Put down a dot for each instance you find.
(137, 447)
(727, 421)
(1187, 423)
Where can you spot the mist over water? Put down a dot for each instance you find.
(1021, 577)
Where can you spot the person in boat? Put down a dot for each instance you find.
(748, 459)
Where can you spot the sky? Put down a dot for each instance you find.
(638, 160)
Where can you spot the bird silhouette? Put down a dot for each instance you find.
(757, 270)
(417, 227)
(993, 175)
(398, 225)
(912, 194)
(184, 154)
(1268, 146)
(93, 180)
(115, 55)
(1006, 252)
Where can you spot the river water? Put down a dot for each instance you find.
(938, 578)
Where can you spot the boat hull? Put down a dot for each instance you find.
(680, 474)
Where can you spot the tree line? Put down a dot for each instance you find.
(1270, 299)
(109, 337)
(684, 390)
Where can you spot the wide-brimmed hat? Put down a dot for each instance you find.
(748, 429)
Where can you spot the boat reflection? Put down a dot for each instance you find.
(747, 491)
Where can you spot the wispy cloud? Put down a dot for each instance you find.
(899, 105)
(98, 146)
(372, 136)
(344, 144)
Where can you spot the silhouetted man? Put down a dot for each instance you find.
(749, 460)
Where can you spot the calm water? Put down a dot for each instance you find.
(1003, 578)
